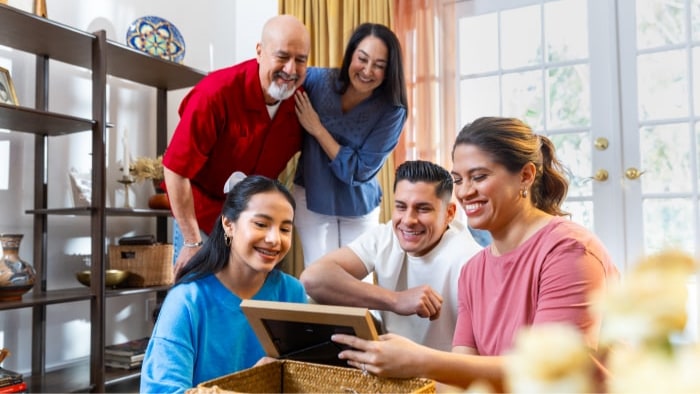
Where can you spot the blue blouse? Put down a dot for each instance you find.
(367, 134)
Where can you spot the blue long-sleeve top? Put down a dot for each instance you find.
(367, 134)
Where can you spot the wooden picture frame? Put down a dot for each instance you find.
(7, 88)
(302, 332)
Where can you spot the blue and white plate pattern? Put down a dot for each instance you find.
(156, 36)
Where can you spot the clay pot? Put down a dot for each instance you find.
(159, 201)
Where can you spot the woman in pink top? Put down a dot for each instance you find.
(540, 268)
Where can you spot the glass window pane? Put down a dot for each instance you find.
(696, 78)
(665, 155)
(569, 97)
(478, 44)
(523, 97)
(662, 82)
(666, 225)
(478, 97)
(581, 212)
(660, 22)
(521, 37)
(697, 150)
(574, 151)
(565, 30)
(695, 19)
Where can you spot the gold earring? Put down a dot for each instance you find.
(227, 239)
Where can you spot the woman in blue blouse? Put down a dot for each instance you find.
(353, 117)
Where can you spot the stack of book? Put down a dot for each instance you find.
(127, 355)
(11, 382)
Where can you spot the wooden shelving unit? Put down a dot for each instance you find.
(49, 40)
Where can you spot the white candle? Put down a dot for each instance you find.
(125, 160)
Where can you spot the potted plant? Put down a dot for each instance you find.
(149, 168)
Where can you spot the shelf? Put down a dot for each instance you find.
(135, 290)
(136, 212)
(29, 120)
(86, 211)
(66, 44)
(49, 297)
(128, 63)
(76, 378)
(72, 295)
(47, 38)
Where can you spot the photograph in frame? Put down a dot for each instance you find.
(302, 332)
(7, 89)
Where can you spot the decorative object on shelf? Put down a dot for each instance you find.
(39, 8)
(113, 278)
(157, 37)
(148, 265)
(126, 181)
(16, 275)
(126, 355)
(145, 168)
(10, 381)
(7, 88)
(81, 187)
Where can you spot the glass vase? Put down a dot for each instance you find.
(16, 275)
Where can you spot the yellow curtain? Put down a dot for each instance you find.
(331, 22)
(431, 126)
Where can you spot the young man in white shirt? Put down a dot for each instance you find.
(416, 259)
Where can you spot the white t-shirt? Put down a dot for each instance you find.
(380, 251)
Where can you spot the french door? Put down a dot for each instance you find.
(613, 83)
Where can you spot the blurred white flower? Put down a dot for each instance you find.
(549, 358)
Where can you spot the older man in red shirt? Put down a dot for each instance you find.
(226, 120)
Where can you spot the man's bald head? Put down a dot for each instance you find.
(283, 52)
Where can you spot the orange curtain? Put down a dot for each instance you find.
(427, 31)
(330, 23)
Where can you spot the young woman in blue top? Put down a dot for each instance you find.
(353, 117)
(201, 332)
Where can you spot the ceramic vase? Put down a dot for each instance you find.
(16, 275)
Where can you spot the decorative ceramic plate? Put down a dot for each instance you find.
(156, 36)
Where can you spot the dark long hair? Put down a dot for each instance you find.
(511, 143)
(214, 255)
(393, 88)
(425, 171)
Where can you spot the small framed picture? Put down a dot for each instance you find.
(302, 332)
(7, 89)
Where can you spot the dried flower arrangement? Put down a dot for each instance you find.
(147, 168)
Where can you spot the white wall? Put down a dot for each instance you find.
(217, 33)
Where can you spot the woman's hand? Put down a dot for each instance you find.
(307, 115)
(391, 356)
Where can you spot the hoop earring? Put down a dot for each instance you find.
(523, 193)
(227, 239)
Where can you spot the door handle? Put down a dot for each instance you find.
(633, 173)
(601, 175)
(601, 143)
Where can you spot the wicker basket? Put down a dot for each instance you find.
(148, 265)
(287, 376)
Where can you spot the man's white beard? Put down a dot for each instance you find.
(280, 92)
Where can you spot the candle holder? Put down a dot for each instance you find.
(126, 181)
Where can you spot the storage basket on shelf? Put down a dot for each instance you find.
(288, 376)
(148, 265)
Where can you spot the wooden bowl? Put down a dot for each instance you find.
(112, 277)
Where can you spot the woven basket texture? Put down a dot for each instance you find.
(148, 265)
(287, 376)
